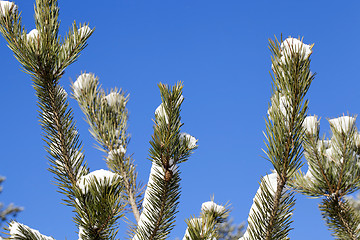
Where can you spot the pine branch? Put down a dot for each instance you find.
(38, 54)
(107, 117)
(284, 131)
(99, 205)
(44, 58)
(22, 232)
(333, 173)
(207, 226)
(274, 221)
(261, 216)
(270, 216)
(341, 218)
(168, 149)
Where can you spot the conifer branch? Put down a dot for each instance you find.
(38, 54)
(107, 117)
(208, 224)
(169, 147)
(99, 205)
(100, 197)
(292, 80)
(270, 215)
(42, 61)
(22, 232)
(341, 218)
(333, 172)
(272, 220)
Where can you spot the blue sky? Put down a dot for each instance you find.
(219, 49)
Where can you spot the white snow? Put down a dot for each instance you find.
(81, 231)
(15, 230)
(114, 153)
(284, 106)
(271, 181)
(323, 144)
(206, 206)
(212, 206)
(82, 83)
(193, 222)
(84, 31)
(77, 155)
(311, 124)
(146, 205)
(192, 140)
(309, 175)
(181, 99)
(100, 175)
(32, 35)
(5, 6)
(160, 111)
(332, 155)
(114, 98)
(63, 92)
(357, 140)
(293, 45)
(342, 124)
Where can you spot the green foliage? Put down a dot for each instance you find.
(45, 56)
(207, 226)
(99, 208)
(107, 116)
(168, 149)
(100, 198)
(340, 217)
(270, 215)
(333, 173)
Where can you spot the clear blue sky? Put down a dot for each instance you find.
(219, 49)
